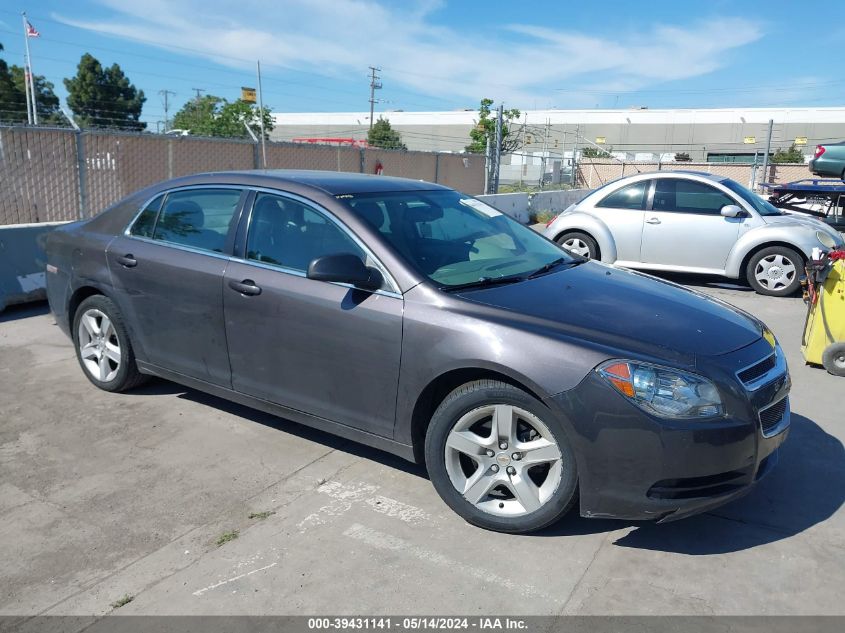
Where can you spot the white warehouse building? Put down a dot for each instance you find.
(711, 135)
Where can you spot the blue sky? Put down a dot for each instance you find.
(447, 54)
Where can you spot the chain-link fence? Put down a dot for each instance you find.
(592, 174)
(54, 174)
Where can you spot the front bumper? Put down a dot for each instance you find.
(637, 467)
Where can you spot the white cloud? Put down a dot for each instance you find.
(520, 64)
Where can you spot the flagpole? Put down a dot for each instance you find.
(26, 71)
(31, 75)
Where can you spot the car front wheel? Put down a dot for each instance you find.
(579, 244)
(498, 458)
(103, 347)
(775, 271)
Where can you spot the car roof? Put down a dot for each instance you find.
(331, 182)
(683, 172)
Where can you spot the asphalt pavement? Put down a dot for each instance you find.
(188, 504)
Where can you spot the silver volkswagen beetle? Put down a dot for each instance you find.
(695, 223)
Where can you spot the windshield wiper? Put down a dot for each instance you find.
(485, 282)
(554, 264)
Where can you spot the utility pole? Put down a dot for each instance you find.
(522, 161)
(261, 118)
(768, 149)
(574, 164)
(198, 91)
(488, 166)
(165, 94)
(497, 161)
(375, 84)
(543, 159)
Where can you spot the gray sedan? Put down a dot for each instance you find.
(695, 223)
(421, 321)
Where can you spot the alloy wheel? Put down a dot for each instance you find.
(503, 460)
(775, 271)
(99, 346)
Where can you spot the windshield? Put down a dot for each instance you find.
(453, 239)
(760, 206)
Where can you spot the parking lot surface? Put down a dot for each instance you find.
(110, 495)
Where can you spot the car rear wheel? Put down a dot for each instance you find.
(833, 359)
(103, 347)
(775, 271)
(498, 458)
(579, 244)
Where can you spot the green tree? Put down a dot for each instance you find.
(214, 116)
(384, 136)
(595, 152)
(104, 97)
(13, 97)
(791, 155)
(486, 128)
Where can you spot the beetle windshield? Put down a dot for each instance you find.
(454, 239)
(760, 206)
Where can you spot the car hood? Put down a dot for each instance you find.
(799, 220)
(627, 310)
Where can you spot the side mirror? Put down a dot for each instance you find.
(732, 211)
(345, 268)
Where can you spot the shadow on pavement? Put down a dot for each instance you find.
(805, 488)
(158, 386)
(24, 311)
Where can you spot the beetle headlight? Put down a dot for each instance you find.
(662, 391)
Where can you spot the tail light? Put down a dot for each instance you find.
(819, 150)
(549, 223)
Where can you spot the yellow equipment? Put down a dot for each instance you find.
(824, 331)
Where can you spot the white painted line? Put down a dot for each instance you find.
(380, 540)
(397, 509)
(199, 592)
(345, 496)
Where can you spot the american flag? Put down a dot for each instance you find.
(30, 30)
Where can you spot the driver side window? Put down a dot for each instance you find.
(290, 234)
(688, 196)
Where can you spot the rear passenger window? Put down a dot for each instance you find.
(146, 220)
(630, 197)
(688, 196)
(290, 234)
(199, 218)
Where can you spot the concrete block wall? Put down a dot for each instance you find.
(22, 262)
(522, 206)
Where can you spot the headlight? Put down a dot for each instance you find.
(662, 391)
(828, 240)
(770, 338)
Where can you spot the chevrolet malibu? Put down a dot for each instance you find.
(421, 321)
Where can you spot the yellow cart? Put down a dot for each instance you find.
(824, 331)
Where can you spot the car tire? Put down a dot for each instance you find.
(833, 359)
(525, 486)
(102, 344)
(580, 244)
(775, 271)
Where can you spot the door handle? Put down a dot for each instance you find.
(245, 287)
(128, 261)
(653, 220)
